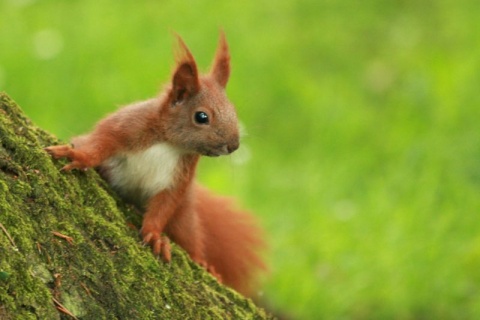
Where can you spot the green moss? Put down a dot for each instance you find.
(105, 273)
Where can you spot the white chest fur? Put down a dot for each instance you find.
(145, 173)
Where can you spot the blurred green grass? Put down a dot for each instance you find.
(362, 157)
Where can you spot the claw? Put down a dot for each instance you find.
(160, 245)
(166, 249)
(210, 268)
(147, 237)
(213, 272)
(157, 246)
(74, 165)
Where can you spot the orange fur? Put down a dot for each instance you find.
(149, 152)
(232, 240)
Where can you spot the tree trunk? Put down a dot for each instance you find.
(69, 247)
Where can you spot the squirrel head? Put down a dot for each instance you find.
(197, 116)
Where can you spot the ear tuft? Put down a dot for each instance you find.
(185, 78)
(221, 63)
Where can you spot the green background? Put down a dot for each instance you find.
(362, 149)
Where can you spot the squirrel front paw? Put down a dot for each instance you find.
(65, 151)
(160, 244)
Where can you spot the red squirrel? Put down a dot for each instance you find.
(148, 151)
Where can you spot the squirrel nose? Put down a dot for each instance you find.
(232, 146)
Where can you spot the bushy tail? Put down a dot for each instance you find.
(233, 241)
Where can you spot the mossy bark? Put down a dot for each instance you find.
(103, 271)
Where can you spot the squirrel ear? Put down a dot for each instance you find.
(221, 63)
(185, 78)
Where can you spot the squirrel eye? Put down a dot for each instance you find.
(201, 117)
